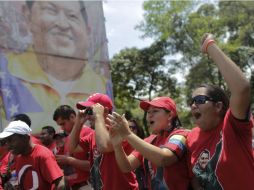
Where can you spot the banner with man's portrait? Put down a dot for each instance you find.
(51, 53)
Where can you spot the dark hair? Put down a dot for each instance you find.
(205, 151)
(60, 134)
(218, 95)
(83, 11)
(50, 130)
(63, 111)
(140, 131)
(176, 123)
(22, 117)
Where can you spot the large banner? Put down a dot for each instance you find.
(51, 53)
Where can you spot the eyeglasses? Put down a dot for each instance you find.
(200, 99)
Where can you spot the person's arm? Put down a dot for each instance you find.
(238, 84)
(125, 163)
(101, 132)
(158, 156)
(75, 132)
(83, 165)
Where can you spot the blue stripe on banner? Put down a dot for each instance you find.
(15, 96)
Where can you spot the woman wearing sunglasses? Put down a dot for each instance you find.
(223, 128)
(162, 154)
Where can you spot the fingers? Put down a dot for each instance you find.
(116, 115)
(115, 120)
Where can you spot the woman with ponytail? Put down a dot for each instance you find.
(162, 154)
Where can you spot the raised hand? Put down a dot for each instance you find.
(98, 109)
(207, 40)
(119, 124)
(81, 117)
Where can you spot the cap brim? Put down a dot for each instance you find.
(82, 105)
(5, 134)
(144, 105)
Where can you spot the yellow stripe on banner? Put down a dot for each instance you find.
(178, 137)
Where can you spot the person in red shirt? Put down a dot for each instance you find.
(25, 118)
(10, 164)
(162, 154)
(76, 165)
(47, 138)
(60, 139)
(105, 174)
(35, 165)
(222, 136)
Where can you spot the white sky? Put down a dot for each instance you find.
(121, 18)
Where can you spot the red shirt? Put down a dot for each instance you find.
(106, 174)
(52, 147)
(174, 177)
(222, 158)
(35, 140)
(38, 170)
(4, 163)
(3, 166)
(72, 174)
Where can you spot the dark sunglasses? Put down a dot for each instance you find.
(200, 99)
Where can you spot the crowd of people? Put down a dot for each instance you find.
(100, 149)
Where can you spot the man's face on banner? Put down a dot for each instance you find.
(58, 28)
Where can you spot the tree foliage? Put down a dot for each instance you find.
(178, 26)
(141, 74)
(232, 23)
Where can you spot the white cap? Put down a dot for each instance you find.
(16, 127)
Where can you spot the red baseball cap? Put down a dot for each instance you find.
(102, 99)
(160, 102)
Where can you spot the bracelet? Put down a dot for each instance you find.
(207, 44)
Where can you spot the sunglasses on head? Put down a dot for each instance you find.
(200, 99)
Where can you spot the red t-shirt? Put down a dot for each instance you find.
(4, 163)
(37, 170)
(3, 167)
(105, 173)
(52, 147)
(222, 158)
(35, 140)
(72, 174)
(174, 177)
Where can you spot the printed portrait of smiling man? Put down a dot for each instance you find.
(57, 66)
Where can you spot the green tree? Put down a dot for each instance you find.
(141, 74)
(182, 25)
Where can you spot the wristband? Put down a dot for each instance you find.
(207, 45)
(209, 39)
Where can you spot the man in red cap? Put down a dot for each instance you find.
(95, 109)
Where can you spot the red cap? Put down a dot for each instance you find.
(102, 99)
(160, 102)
